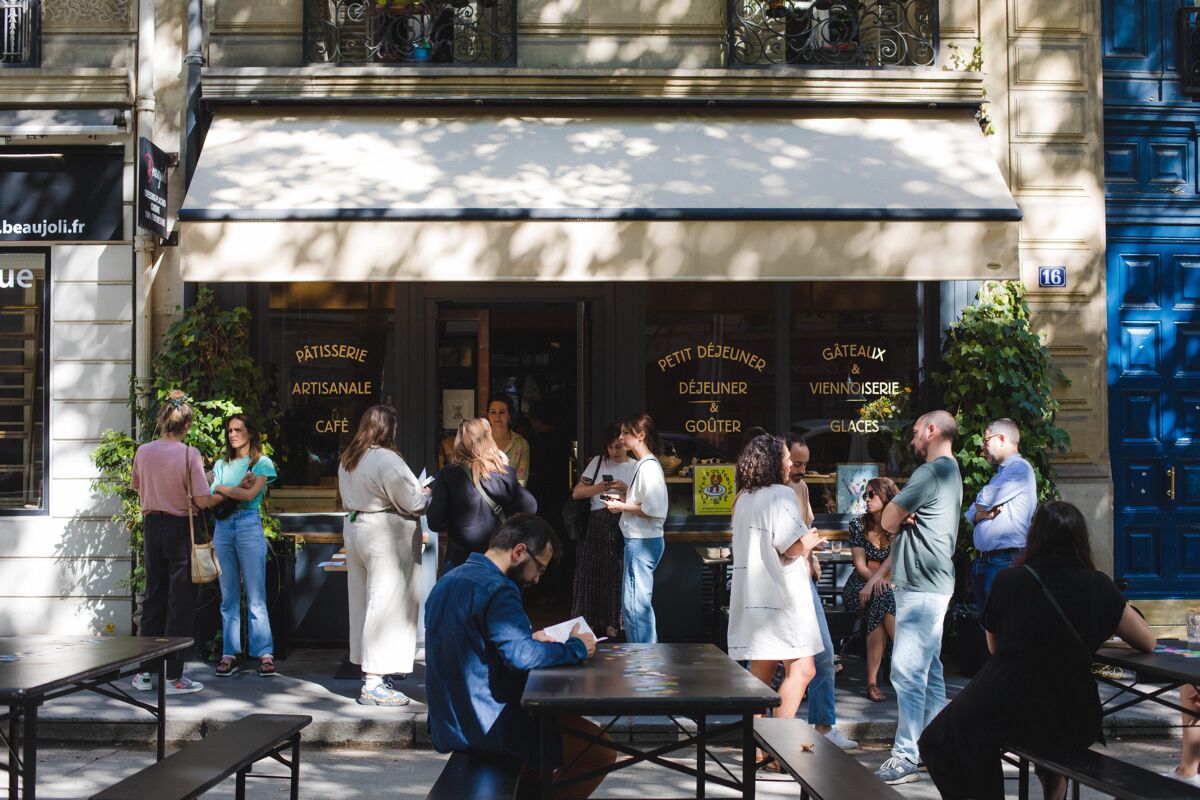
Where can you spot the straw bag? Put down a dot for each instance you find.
(205, 568)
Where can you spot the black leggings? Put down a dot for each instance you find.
(169, 608)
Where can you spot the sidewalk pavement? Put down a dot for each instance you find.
(306, 685)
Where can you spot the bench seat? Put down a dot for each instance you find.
(467, 776)
(1106, 774)
(826, 772)
(201, 765)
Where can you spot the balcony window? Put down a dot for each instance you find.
(833, 33)
(1189, 50)
(19, 33)
(411, 32)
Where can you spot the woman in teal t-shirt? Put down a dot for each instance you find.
(243, 475)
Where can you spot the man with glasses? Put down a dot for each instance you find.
(1003, 508)
(479, 648)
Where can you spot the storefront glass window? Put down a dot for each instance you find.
(330, 346)
(23, 309)
(854, 364)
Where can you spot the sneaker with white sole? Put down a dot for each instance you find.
(1192, 781)
(897, 770)
(143, 682)
(382, 695)
(184, 685)
(840, 739)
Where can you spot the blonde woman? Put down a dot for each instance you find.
(473, 495)
(162, 471)
(383, 543)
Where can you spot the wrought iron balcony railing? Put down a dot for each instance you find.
(412, 32)
(833, 33)
(1189, 50)
(19, 32)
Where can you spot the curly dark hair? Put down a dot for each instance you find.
(886, 489)
(760, 463)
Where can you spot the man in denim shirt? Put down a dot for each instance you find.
(479, 648)
(1003, 509)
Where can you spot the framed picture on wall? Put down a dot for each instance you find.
(851, 484)
(457, 405)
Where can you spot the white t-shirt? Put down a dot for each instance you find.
(620, 471)
(649, 488)
(771, 613)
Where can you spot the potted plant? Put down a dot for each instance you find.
(422, 49)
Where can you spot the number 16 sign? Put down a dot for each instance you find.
(1052, 277)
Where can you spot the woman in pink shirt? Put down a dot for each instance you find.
(163, 471)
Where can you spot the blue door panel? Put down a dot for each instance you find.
(1133, 39)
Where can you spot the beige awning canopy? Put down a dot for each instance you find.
(282, 195)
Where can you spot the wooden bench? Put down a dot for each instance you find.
(825, 772)
(200, 766)
(469, 776)
(1106, 774)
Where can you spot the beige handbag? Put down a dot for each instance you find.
(205, 567)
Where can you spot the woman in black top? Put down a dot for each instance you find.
(475, 493)
(1037, 689)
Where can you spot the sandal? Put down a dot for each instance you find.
(874, 694)
(266, 667)
(227, 667)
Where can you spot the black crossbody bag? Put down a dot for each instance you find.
(1062, 614)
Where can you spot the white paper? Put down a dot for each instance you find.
(562, 631)
(424, 479)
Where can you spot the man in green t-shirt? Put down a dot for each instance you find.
(922, 568)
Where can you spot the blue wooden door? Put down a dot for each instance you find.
(1154, 412)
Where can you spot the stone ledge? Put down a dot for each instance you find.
(379, 83)
(76, 87)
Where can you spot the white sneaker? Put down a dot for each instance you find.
(840, 739)
(184, 685)
(143, 682)
(1192, 781)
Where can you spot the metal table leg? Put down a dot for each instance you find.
(748, 756)
(14, 749)
(701, 764)
(29, 750)
(162, 708)
(547, 770)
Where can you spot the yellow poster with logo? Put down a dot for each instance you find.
(713, 489)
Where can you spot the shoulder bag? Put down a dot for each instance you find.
(575, 512)
(487, 498)
(205, 567)
(228, 505)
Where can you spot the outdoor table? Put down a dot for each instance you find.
(34, 669)
(694, 681)
(1173, 662)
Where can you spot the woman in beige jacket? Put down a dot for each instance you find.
(382, 533)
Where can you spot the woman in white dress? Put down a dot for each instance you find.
(771, 613)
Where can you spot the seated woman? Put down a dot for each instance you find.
(871, 544)
(1045, 618)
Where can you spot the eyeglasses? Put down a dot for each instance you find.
(541, 567)
(987, 439)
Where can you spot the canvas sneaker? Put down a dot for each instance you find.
(897, 770)
(382, 695)
(1192, 781)
(143, 682)
(184, 685)
(840, 739)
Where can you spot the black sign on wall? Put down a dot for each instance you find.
(152, 188)
(61, 194)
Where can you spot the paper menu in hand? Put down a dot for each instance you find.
(562, 631)
(424, 479)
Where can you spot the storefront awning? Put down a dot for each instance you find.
(373, 195)
(38, 122)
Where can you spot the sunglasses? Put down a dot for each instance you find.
(871, 493)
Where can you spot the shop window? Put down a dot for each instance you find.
(329, 355)
(854, 359)
(833, 33)
(23, 310)
(710, 374)
(411, 32)
(19, 33)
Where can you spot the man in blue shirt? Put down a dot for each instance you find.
(1003, 508)
(479, 648)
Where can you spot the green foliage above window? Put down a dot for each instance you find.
(995, 365)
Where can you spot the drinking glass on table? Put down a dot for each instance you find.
(835, 546)
(1193, 627)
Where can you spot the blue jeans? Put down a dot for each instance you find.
(983, 572)
(637, 589)
(821, 706)
(917, 666)
(242, 554)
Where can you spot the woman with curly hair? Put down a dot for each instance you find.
(870, 545)
(771, 613)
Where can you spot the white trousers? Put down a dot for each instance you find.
(381, 553)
